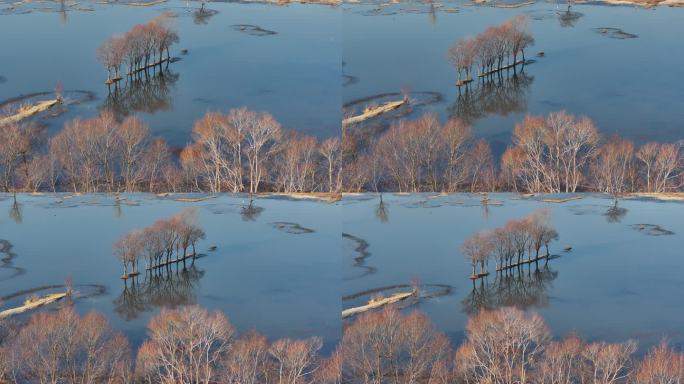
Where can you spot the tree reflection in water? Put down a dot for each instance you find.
(519, 287)
(15, 211)
(382, 211)
(250, 212)
(615, 214)
(493, 95)
(202, 15)
(149, 91)
(166, 287)
(568, 19)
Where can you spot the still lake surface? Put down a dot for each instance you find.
(322, 57)
(628, 86)
(280, 283)
(294, 74)
(622, 279)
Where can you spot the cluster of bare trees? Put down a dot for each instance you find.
(509, 244)
(247, 151)
(165, 242)
(17, 142)
(63, 347)
(420, 155)
(102, 154)
(552, 154)
(185, 345)
(563, 153)
(243, 150)
(140, 48)
(234, 152)
(192, 345)
(506, 346)
(493, 50)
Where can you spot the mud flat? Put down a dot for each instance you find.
(253, 30)
(322, 196)
(291, 228)
(145, 3)
(561, 200)
(652, 229)
(194, 199)
(615, 33)
(32, 303)
(664, 196)
(377, 303)
(372, 112)
(643, 3)
(28, 111)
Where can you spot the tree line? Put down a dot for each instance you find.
(165, 242)
(248, 151)
(493, 50)
(509, 244)
(191, 345)
(549, 154)
(241, 151)
(140, 48)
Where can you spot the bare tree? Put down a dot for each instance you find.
(330, 149)
(295, 360)
(608, 363)
(662, 365)
(386, 347)
(63, 347)
(186, 345)
(502, 346)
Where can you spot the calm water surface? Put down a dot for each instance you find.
(617, 282)
(622, 279)
(280, 283)
(293, 74)
(632, 87)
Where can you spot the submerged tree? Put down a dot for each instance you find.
(138, 49)
(494, 49)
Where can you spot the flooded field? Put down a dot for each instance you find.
(281, 60)
(598, 61)
(272, 266)
(288, 267)
(617, 275)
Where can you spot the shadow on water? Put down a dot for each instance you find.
(166, 287)
(522, 287)
(492, 95)
(147, 92)
(361, 254)
(6, 258)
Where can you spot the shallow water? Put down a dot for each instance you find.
(279, 282)
(617, 282)
(628, 86)
(294, 74)
(287, 267)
